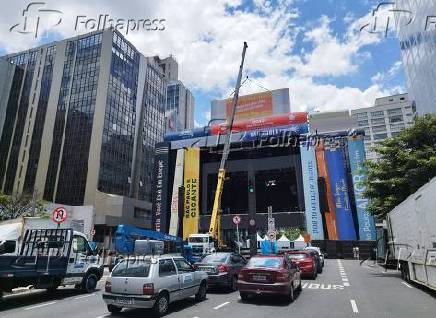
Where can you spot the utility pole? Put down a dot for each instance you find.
(34, 194)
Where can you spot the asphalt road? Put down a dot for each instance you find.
(344, 289)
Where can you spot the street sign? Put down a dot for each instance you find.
(236, 219)
(272, 235)
(59, 215)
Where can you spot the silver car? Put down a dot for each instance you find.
(153, 282)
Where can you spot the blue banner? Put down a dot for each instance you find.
(187, 134)
(311, 196)
(356, 151)
(338, 182)
(279, 131)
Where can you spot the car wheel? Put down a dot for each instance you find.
(320, 269)
(405, 274)
(291, 296)
(201, 294)
(161, 305)
(244, 296)
(234, 283)
(315, 273)
(114, 309)
(89, 283)
(299, 287)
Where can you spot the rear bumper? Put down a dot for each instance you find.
(218, 280)
(264, 289)
(134, 301)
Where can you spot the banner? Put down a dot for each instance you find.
(251, 106)
(178, 182)
(356, 151)
(192, 187)
(330, 215)
(260, 123)
(160, 187)
(339, 186)
(280, 132)
(311, 195)
(187, 134)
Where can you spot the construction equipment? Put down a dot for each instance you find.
(214, 228)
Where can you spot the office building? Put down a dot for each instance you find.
(388, 116)
(417, 39)
(180, 106)
(81, 121)
(323, 122)
(170, 68)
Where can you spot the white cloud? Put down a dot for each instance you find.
(206, 39)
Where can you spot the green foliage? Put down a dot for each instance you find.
(292, 233)
(406, 163)
(14, 206)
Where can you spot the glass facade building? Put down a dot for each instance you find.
(82, 115)
(179, 108)
(418, 48)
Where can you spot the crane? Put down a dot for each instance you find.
(215, 221)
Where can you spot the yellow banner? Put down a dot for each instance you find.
(192, 188)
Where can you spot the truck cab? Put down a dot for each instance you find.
(201, 244)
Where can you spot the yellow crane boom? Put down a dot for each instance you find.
(215, 221)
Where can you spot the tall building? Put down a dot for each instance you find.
(180, 106)
(418, 48)
(388, 116)
(82, 117)
(323, 122)
(170, 68)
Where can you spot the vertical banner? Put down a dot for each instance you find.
(330, 215)
(356, 151)
(160, 187)
(192, 187)
(338, 182)
(178, 182)
(311, 195)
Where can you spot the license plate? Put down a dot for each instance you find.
(261, 278)
(208, 270)
(125, 301)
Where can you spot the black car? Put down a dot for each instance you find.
(318, 259)
(222, 269)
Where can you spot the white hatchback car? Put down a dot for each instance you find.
(153, 282)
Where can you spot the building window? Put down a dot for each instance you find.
(361, 115)
(377, 129)
(378, 113)
(399, 126)
(142, 213)
(395, 111)
(396, 119)
(361, 123)
(377, 121)
(380, 136)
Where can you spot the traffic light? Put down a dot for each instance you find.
(250, 187)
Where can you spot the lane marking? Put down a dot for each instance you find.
(84, 296)
(354, 305)
(347, 284)
(222, 305)
(41, 305)
(103, 316)
(404, 283)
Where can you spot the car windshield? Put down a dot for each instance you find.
(215, 258)
(197, 249)
(132, 268)
(267, 262)
(297, 256)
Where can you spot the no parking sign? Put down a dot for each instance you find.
(59, 215)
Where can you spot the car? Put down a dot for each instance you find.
(305, 261)
(317, 259)
(321, 254)
(153, 282)
(269, 275)
(222, 269)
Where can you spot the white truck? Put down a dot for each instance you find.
(201, 244)
(412, 236)
(47, 259)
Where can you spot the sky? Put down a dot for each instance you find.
(316, 48)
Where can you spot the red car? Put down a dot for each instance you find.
(269, 275)
(305, 261)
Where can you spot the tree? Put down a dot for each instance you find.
(292, 233)
(14, 206)
(406, 162)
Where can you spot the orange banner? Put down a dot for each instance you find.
(251, 106)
